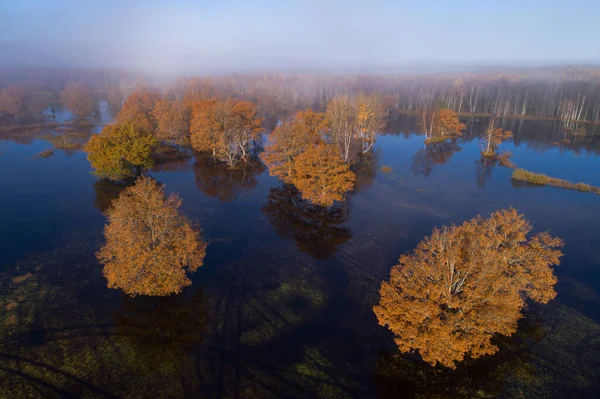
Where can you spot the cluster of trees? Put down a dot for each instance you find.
(465, 284)
(230, 130)
(78, 99)
(150, 246)
(314, 151)
(492, 137)
(440, 124)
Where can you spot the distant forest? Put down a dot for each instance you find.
(569, 94)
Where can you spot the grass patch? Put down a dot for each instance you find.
(386, 169)
(543, 180)
(67, 141)
(505, 161)
(439, 139)
(20, 279)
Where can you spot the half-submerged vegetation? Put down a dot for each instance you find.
(465, 284)
(440, 124)
(46, 153)
(149, 245)
(543, 180)
(492, 138)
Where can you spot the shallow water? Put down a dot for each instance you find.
(282, 305)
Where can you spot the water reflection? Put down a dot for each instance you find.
(425, 160)
(217, 180)
(366, 169)
(108, 190)
(406, 376)
(483, 170)
(318, 231)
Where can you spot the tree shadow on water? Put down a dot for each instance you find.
(318, 231)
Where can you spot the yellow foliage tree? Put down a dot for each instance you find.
(120, 151)
(321, 175)
(492, 138)
(149, 245)
(464, 284)
(289, 140)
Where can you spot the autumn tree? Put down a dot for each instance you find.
(369, 120)
(440, 123)
(78, 99)
(289, 140)
(492, 138)
(138, 109)
(172, 119)
(245, 125)
(149, 246)
(207, 125)
(341, 118)
(227, 128)
(447, 123)
(321, 175)
(464, 284)
(120, 151)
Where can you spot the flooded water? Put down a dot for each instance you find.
(283, 304)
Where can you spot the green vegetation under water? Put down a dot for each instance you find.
(541, 179)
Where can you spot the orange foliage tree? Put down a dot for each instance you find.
(369, 119)
(78, 99)
(149, 245)
(447, 123)
(492, 138)
(440, 123)
(321, 175)
(464, 284)
(138, 110)
(172, 119)
(225, 128)
(289, 140)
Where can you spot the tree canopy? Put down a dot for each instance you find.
(227, 128)
(149, 245)
(464, 284)
(120, 151)
(322, 176)
(289, 140)
(78, 99)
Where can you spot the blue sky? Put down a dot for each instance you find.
(236, 34)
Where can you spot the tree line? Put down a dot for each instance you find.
(564, 93)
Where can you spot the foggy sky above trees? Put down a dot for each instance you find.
(185, 36)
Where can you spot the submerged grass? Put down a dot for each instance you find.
(541, 179)
(46, 153)
(505, 161)
(439, 139)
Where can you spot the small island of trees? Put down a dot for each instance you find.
(149, 245)
(464, 284)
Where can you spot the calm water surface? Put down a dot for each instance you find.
(282, 305)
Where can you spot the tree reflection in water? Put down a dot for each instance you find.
(366, 169)
(318, 231)
(425, 160)
(483, 170)
(219, 181)
(109, 190)
(406, 376)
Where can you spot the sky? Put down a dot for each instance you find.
(186, 35)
